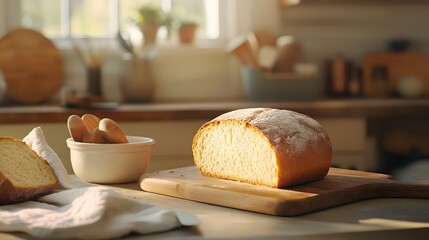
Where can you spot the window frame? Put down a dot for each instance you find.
(10, 10)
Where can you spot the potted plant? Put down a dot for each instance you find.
(149, 19)
(187, 31)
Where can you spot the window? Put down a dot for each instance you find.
(103, 18)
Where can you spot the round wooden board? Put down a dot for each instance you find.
(32, 66)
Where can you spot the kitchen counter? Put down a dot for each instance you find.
(368, 108)
(377, 219)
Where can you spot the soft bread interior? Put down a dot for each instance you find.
(22, 166)
(234, 150)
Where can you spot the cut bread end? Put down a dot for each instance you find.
(23, 174)
(216, 153)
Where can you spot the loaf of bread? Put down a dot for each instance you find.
(24, 175)
(262, 146)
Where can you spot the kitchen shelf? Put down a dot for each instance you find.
(368, 108)
(360, 2)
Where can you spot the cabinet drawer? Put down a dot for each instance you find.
(346, 134)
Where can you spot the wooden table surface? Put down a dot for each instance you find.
(390, 218)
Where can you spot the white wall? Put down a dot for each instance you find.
(8, 17)
(2, 18)
(354, 28)
(256, 15)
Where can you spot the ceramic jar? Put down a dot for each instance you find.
(411, 86)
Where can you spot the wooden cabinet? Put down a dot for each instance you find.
(352, 148)
(174, 140)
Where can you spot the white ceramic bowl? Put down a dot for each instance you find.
(111, 163)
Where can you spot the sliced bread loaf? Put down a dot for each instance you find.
(263, 146)
(24, 175)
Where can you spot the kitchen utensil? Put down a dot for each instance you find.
(241, 48)
(77, 128)
(265, 38)
(253, 44)
(90, 54)
(32, 66)
(111, 163)
(95, 136)
(290, 52)
(267, 57)
(125, 43)
(91, 121)
(339, 187)
(113, 131)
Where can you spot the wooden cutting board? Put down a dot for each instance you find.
(340, 187)
(31, 64)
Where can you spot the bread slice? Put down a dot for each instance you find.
(24, 175)
(269, 147)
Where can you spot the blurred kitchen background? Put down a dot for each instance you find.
(309, 52)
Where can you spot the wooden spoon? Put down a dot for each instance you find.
(77, 128)
(91, 121)
(95, 136)
(113, 131)
(242, 49)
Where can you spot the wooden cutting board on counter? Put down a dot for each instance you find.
(32, 66)
(340, 187)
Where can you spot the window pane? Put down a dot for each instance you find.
(93, 18)
(99, 18)
(204, 12)
(43, 15)
(128, 10)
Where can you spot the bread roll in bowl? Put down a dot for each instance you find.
(263, 146)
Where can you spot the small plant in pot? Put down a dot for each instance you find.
(149, 19)
(187, 31)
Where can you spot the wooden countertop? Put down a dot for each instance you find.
(390, 218)
(369, 108)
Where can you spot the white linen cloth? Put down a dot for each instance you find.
(83, 210)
